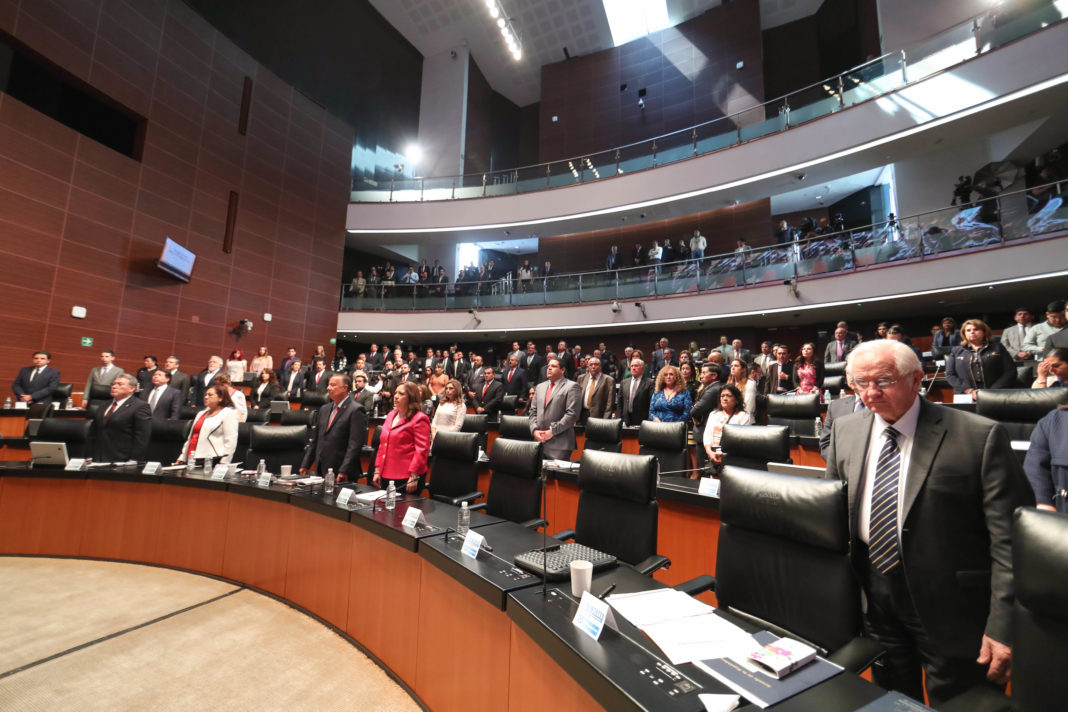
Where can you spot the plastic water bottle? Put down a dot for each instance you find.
(817, 426)
(391, 496)
(261, 469)
(7, 403)
(827, 395)
(329, 480)
(463, 520)
(209, 465)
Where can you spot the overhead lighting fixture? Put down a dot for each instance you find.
(508, 31)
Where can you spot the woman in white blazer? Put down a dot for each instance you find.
(214, 432)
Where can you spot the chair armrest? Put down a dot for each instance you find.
(534, 523)
(565, 535)
(476, 507)
(697, 585)
(455, 501)
(652, 563)
(981, 698)
(857, 655)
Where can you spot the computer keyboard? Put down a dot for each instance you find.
(558, 560)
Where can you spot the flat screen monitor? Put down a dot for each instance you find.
(176, 260)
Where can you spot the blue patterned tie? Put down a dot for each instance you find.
(883, 549)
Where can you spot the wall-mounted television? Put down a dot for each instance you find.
(176, 260)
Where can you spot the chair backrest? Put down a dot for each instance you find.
(617, 510)
(1040, 615)
(515, 482)
(1018, 409)
(1025, 374)
(39, 410)
(313, 399)
(509, 405)
(514, 427)
(258, 416)
(188, 412)
(277, 445)
(798, 412)
(604, 434)
(299, 417)
(783, 554)
(99, 392)
(165, 445)
(73, 431)
(244, 431)
(664, 441)
(62, 392)
(834, 368)
(476, 423)
(755, 446)
(455, 464)
(834, 384)
(376, 438)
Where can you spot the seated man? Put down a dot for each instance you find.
(35, 383)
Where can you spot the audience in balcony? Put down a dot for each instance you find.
(698, 244)
(637, 256)
(977, 362)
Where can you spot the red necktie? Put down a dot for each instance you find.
(333, 415)
(114, 405)
(510, 375)
(548, 393)
(484, 389)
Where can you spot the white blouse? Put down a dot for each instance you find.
(449, 416)
(717, 419)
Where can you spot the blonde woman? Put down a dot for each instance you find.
(451, 409)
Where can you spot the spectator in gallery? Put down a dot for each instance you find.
(671, 401)
(611, 263)
(358, 286)
(682, 252)
(236, 365)
(374, 282)
(263, 360)
(976, 362)
(655, 254)
(783, 233)
(698, 243)
(526, 276)
(637, 256)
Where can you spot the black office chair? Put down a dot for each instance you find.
(73, 431)
(834, 368)
(666, 442)
(1025, 374)
(1019, 409)
(40, 410)
(604, 434)
(244, 431)
(258, 417)
(454, 473)
(783, 561)
(277, 445)
(754, 446)
(299, 417)
(168, 436)
(311, 400)
(617, 509)
(476, 424)
(62, 392)
(376, 438)
(799, 412)
(509, 405)
(188, 412)
(515, 482)
(834, 384)
(98, 395)
(514, 427)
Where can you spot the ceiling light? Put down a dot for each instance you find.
(494, 11)
(504, 31)
(501, 22)
(517, 54)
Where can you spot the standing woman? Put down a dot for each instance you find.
(689, 379)
(236, 365)
(264, 390)
(740, 379)
(404, 445)
(451, 409)
(808, 372)
(977, 363)
(731, 411)
(214, 432)
(671, 401)
(262, 361)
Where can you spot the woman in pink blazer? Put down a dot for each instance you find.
(404, 445)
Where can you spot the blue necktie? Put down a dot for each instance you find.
(884, 552)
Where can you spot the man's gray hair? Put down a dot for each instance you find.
(905, 359)
(131, 381)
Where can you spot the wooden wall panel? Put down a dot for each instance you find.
(81, 224)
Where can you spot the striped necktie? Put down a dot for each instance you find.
(884, 551)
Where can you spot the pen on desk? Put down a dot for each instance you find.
(606, 592)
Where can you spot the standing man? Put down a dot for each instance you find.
(121, 431)
(101, 376)
(664, 356)
(698, 243)
(611, 264)
(1035, 343)
(931, 496)
(204, 379)
(320, 376)
(765, 358)
(376, 359)
(567, 361)
(840, 347)
(144, 374)
(781, 373)
(291, 356)
(361, 393)
(635, 395)
(738, 351)
(598, 391)
(707, 401)
(164, 402)
(838, 408)
(457, 367)
(532, 361)
(1013, 336)
(515, 381)
(179, 379)
(488, 395)
(292, 381)
(35, 383)
(553, 413)
(339, 434)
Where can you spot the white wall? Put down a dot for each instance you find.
(443, 113)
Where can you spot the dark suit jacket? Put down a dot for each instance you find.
(271, 393)
(338, 446)
(42, 386)
(491, 402)
(830, 354)
(771, 380)
(838, 408)
(532, 363)
(457, 369)
(123, 436)
(366, 398)
(602, 399)
(298, 384)
(567, 360)
(633, 413)
(660, 359)
(180, 382)
(169, 405)
(376, 361)
(323, 381)
(962, 486)
(519, 386)
(199, 388)
(144, 377)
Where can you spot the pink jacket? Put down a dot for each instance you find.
(405, 448)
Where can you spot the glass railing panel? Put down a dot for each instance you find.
(636, 283)
(500, 184)
(1004, 28)
(716, 135)
(871, 80)
(563, 289)
(1046, 211)
(528, 293)
(398, 298)
(674, 147)
(951, 47)
(532, 178)
(754, 125)
(952, 229)
(439, 188)
(771, 264)
(636, 157)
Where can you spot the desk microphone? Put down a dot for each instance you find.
(679, 472)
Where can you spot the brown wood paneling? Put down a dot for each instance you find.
(530, 668)
(255, 553)
(192, 529)
(317, 576)
(122, 520)
(32, 524)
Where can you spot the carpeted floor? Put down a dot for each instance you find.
(92, 635)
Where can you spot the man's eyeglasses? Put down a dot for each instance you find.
(859, 384)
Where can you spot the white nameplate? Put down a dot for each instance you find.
(412, 517)
(344, 496)
(75, 465)
(472, 543)
(152, 468)
(219, 472)
(593, 615)
(21, 405)
(264, 480)
(709, 487)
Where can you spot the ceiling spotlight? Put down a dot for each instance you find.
(517, 54)
(501, 22)
(494, 11)
(505, 32)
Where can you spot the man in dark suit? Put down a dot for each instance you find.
(164, 402)
(320, 376)
(35, 383)
(121, 429)
(553, 413)
(179, 380)
(360, 393)
(706, 402)
(598, 391)
(291, 382)
(489, 395)
(144, 374)
(532, 361)
(838, 408)
(635, 395)
(204, 379)
(515, 381)
(738, 351)
(376, 359)
(780, 374)
(931, 494)
(567, 361)
(663, 356)
(839, 347)
(291, 356)
(457, 367)
(339, 435)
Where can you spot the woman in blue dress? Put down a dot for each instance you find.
(671, 401)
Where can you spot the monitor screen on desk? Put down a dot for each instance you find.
(176, 260)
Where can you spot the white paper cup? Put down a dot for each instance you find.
(287, 470)
(581, 577)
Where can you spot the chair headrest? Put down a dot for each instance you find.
(760, 442)
(802, 509)
(455, 446)
(298, 417)
(263, 415)
(604, 430)
(662, 436)
(834, 383)
(516, 457)
(474, 423)
(1040, 561)
(313, 398)
(834, 368)
(629, 477)
(1019, 404)
(68, 430)
(280, 437)
(513, 427)
(171, 430)
(794, 406)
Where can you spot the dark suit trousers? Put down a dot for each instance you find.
(892, 621)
